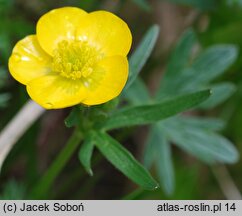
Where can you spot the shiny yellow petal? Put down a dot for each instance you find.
(28, 61)
(107, 32)
(54, 92)
(56, 25)
(111, 83)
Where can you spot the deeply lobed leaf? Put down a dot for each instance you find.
(124, 161)
(140, 115)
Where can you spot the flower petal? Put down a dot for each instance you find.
(110, 85)
(28, 61)
(54, 92)
(58, 24)
(107, 32)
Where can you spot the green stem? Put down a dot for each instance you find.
(54, 170)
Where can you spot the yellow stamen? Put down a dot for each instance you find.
(75, 60)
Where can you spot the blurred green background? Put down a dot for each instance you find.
(213, 21)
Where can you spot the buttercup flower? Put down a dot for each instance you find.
(75, 57)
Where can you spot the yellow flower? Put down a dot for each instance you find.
(75, 57)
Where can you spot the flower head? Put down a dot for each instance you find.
(75, 57)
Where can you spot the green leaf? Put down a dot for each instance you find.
(201, 4)
(165, 168)
(140, 115)
(181, 55)
(124, 161)
(203, 144)
(160, 150)
(213, 124)
(211, 63)
(206, 67)
(150, 151)
(137, 94)
(220, 93)
(143, 4)
(141, 54)
(85, 153)
(179, 60)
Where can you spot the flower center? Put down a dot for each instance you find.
(75, 60)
